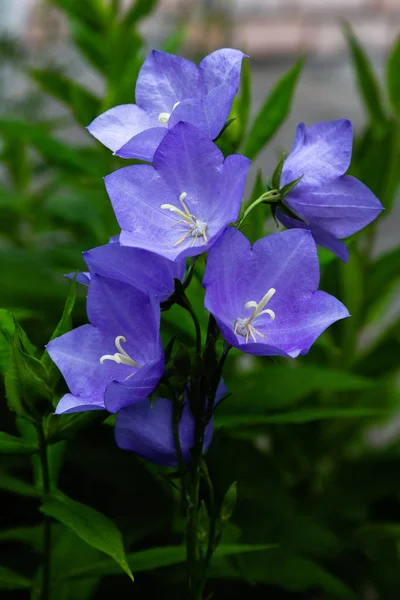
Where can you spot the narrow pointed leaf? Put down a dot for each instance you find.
(10, 580)
(367, 83)
(393, 76)
(93, 527)
(9, 444)
(273, 112)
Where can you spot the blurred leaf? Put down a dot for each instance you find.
(367, 83)
(10, 444)
(83, 103)
(156, 558)
(352, 296)
(94, 528)
(393, 76)
(17, 486)
(16, 159)
(63, 427)
(304, 415)
(283, 569)
(25, 380)
(55, 152)
(9, 580)
(31, 536)
(64, 325)
(138, 10)
(91, 44)
(90, 13)
(244, 101)
(381, 275)
(228, 504)
(7, 332)
(273, 112)
(175, 40)
(276, 386)
(124, 61)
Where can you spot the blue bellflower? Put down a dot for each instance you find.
(265, 297)
(332, 205)
(148, 272)
(170, 89)
(181, 205)
(146, 428)
(118, 359)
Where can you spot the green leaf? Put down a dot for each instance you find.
(29, 536)
(244, 101)
(93, 527)
(10, 580)
(273, 112)
(7, 332)
(283, 569)
(139, 10)
(16, 486)
(91, 13)
(276, 176)
(63, 326)
(229, 503)
(9, 444)
(64, 427)
(25, 380)
(393, 76)
(304, 415)
(381, 276)
(366, 80)
(91, 44)
(275, 386)
(156, 558)
(83, 103)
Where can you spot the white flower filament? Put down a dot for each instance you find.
(244, 327)
(197, 228)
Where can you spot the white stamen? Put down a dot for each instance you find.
(197, 227)
(244, 327)
(120, 357)
(164, 117)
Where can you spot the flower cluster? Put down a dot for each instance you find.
(263, 298)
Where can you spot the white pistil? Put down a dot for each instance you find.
(197, 228)
(244, 327)
(120, 357)
(164, 117)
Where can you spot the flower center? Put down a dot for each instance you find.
(243, 325)
(164, 117)
(120, 357)
(197, 228)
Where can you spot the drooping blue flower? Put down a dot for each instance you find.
(331, 204)
(118, 359)
(265, 297)
(148, 272)
(182, 204)
(170, 89)
(146, 429)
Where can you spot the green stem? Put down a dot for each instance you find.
(45, 588)
(191, 534)
(271, 196)
(213, 524)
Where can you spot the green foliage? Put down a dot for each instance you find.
(9, 580)
(90, 525)
(317, 511)
(393, 77)
(273, 112)
(25, 380)
(366, 80)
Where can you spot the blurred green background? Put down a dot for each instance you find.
(313, 443)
